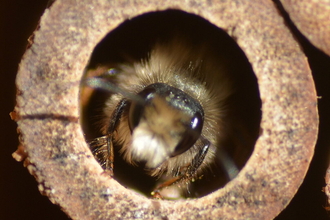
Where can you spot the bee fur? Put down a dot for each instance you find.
(192, 69)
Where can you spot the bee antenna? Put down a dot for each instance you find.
(105, 85)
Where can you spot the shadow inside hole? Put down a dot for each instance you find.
(131, 42)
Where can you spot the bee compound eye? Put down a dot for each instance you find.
(191, 135)
(197, 123)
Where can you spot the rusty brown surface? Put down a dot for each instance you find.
(312, 18)
(47, 108)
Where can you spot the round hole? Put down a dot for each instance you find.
(133, 42)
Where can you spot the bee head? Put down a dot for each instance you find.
(165, 125)
(164, 121)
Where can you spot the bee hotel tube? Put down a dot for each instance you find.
(47, 113)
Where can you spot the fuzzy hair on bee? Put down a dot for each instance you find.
(166, 112)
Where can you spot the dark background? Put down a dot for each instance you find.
(19, 195)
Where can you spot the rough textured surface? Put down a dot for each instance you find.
(312, 18)
(48, 114)
(327, 187)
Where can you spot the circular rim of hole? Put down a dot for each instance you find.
(254, 188)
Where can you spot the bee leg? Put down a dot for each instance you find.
(102, 147)
(110, 159)
(190, 171)
(114, 121)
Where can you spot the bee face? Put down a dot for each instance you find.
(166, 125)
